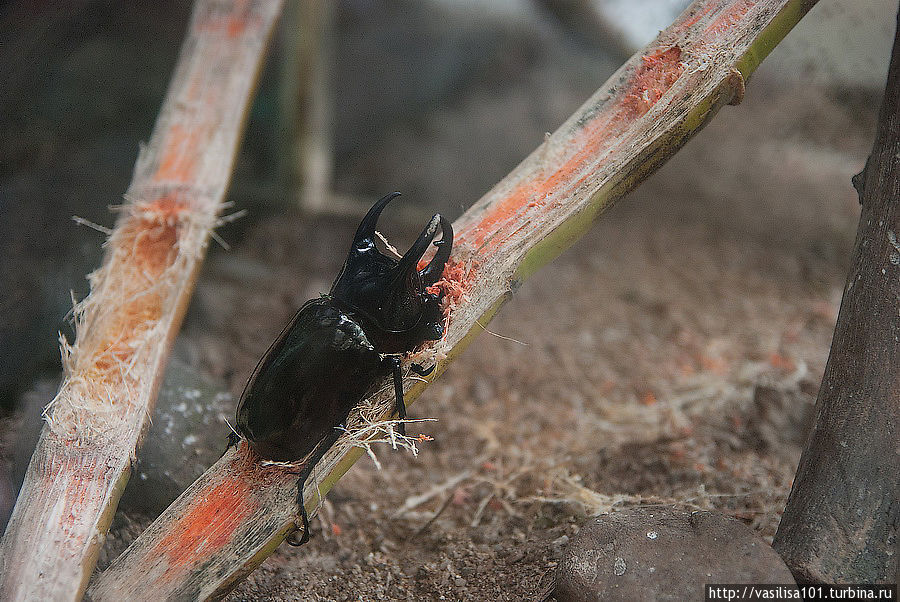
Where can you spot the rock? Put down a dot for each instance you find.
(18, 436)
(559, 544)
(187, 435)
(779, 415)
(661, 553)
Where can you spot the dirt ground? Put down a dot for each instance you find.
(673, 355)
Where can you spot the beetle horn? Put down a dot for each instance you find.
(432, 272)
(410, 259)
(367, 225)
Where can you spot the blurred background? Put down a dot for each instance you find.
(673, 354)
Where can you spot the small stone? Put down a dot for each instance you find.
(559, 544)
(187, 434)
(661, 553)
(515, 556)
(779, 415)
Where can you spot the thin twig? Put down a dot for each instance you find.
(433, 518)
(415, 501)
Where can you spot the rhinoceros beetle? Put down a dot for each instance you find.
(339, 346)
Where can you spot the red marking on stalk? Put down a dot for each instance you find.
(89, 478)
(154, 234)
(209, 524)
(235, 26)
(657, 74)
(454, 284)
(693, 19)
(179, 155)
(595, 140)
(150, 241)
(233, 23)
(728, 18)
(216, 514)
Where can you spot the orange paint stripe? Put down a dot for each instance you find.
(217, 514)
(650, 82)
(454, 284)
(184, 144)
(88, 481)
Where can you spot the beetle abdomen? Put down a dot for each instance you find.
(317, 370)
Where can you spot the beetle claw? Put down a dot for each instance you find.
(294, 540)
(432, 272)
(409, 260)
(233, 440)
(420, 370)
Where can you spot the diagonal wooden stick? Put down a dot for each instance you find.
(237, 513)
(138, 297)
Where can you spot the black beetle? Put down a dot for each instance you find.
(339, 346)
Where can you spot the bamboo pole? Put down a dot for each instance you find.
(126, 325)
(238, 512)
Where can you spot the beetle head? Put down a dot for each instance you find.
(390, 294)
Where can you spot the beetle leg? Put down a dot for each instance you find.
(323, 446)
(233, 440)
(394, 364)
(420, 370)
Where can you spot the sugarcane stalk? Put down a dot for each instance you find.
(126, 325)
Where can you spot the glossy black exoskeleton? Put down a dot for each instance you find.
(339, 346)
